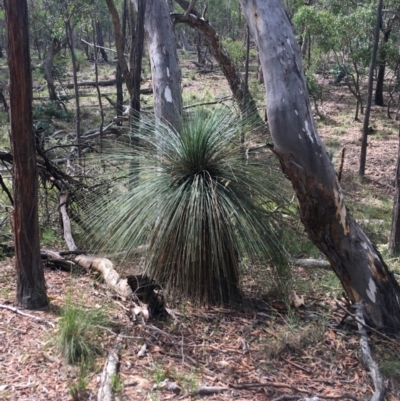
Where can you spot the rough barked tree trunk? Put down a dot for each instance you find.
(304, 160)
(165, 71)
(31, 288)
(100, 41)
(137, 55)
(363, 156)
(382, 67)
(54, 49)
(120, 44)
(70, 43)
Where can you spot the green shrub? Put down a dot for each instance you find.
(196, 201)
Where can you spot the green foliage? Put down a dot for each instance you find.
(236, 50)
(45, 112)
(78, 332)
(198, 203)
(78, 390)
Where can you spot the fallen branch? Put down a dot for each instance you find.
(380, 389)
(109, 371)
(110, 275)
(312, 263)
(205, 390)
(362, 322)
(56, 259)
(66, 222)
(35, 318)
(108, 82)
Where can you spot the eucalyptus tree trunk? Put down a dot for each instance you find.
(165, 71)
(100, 41)
(304, 160)
(31, 288)
(70, 43)
(382, 68)
(54, 49)
(363, 157)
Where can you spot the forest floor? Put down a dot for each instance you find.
(263, 349)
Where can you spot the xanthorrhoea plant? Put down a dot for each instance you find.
(197, 202)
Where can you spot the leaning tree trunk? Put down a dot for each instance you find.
(238, 86)
(31, 288)
(55, 47)
(304, 160)
(165, 71)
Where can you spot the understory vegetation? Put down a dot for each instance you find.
(227, 296)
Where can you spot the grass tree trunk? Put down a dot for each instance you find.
(165, 71)
(31, 288)
(304, 160)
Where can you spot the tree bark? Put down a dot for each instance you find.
(119, 44)
(137, 57)
(363, 157)
(165, 71)
(304, 160)
(55, 48)
(69, 34)
(31, 288)
(100, 41)
(382, 67)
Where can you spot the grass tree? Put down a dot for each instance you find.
(198, 204)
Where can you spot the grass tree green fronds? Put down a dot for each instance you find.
(78, 333)
(198, 203)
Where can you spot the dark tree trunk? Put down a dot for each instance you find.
(55, 47)
(69, 34)
(381, 71)
(100, 41)
(118, 72)
(31, 288)
(394, 241)
(363, 157)
(137, 58)
(120, 44)
(304, 160)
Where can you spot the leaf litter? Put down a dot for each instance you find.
(253, 352)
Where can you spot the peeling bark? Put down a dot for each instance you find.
(304, 160)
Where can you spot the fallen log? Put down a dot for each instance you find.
(110, 370)
(106, 268)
